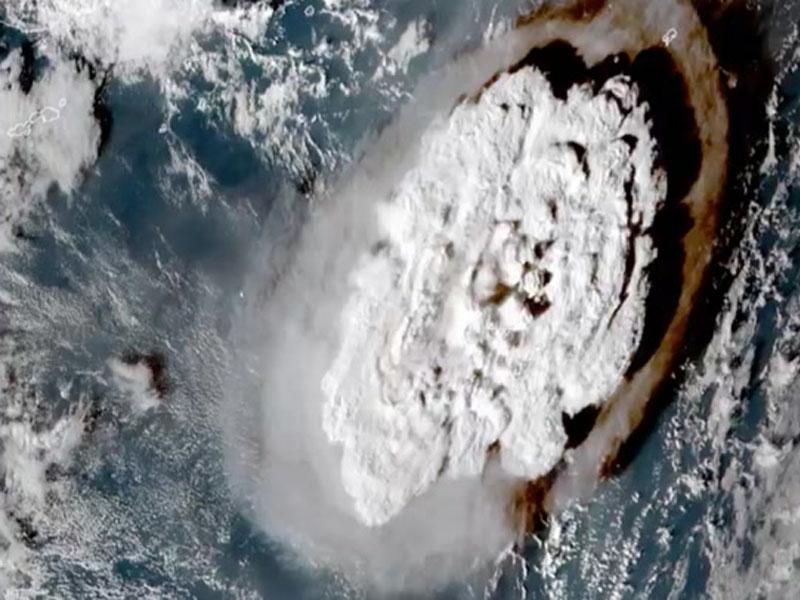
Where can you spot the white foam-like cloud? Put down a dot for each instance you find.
(134, 36)
(48, 137)
(135, 381)
(345, 334)
(414, 41)
(495, 298)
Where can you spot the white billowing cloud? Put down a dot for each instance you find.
(47, 137)
(415, 40)
(131, 35)
(338, 454)
(135, 381)
(496, 296)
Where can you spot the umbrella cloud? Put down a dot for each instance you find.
(473, 323)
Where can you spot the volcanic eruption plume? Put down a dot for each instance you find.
(463, 337)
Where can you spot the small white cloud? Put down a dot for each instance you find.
(135, 381)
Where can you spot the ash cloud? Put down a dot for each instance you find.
(279, 460)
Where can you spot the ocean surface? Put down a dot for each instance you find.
(216, 147)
